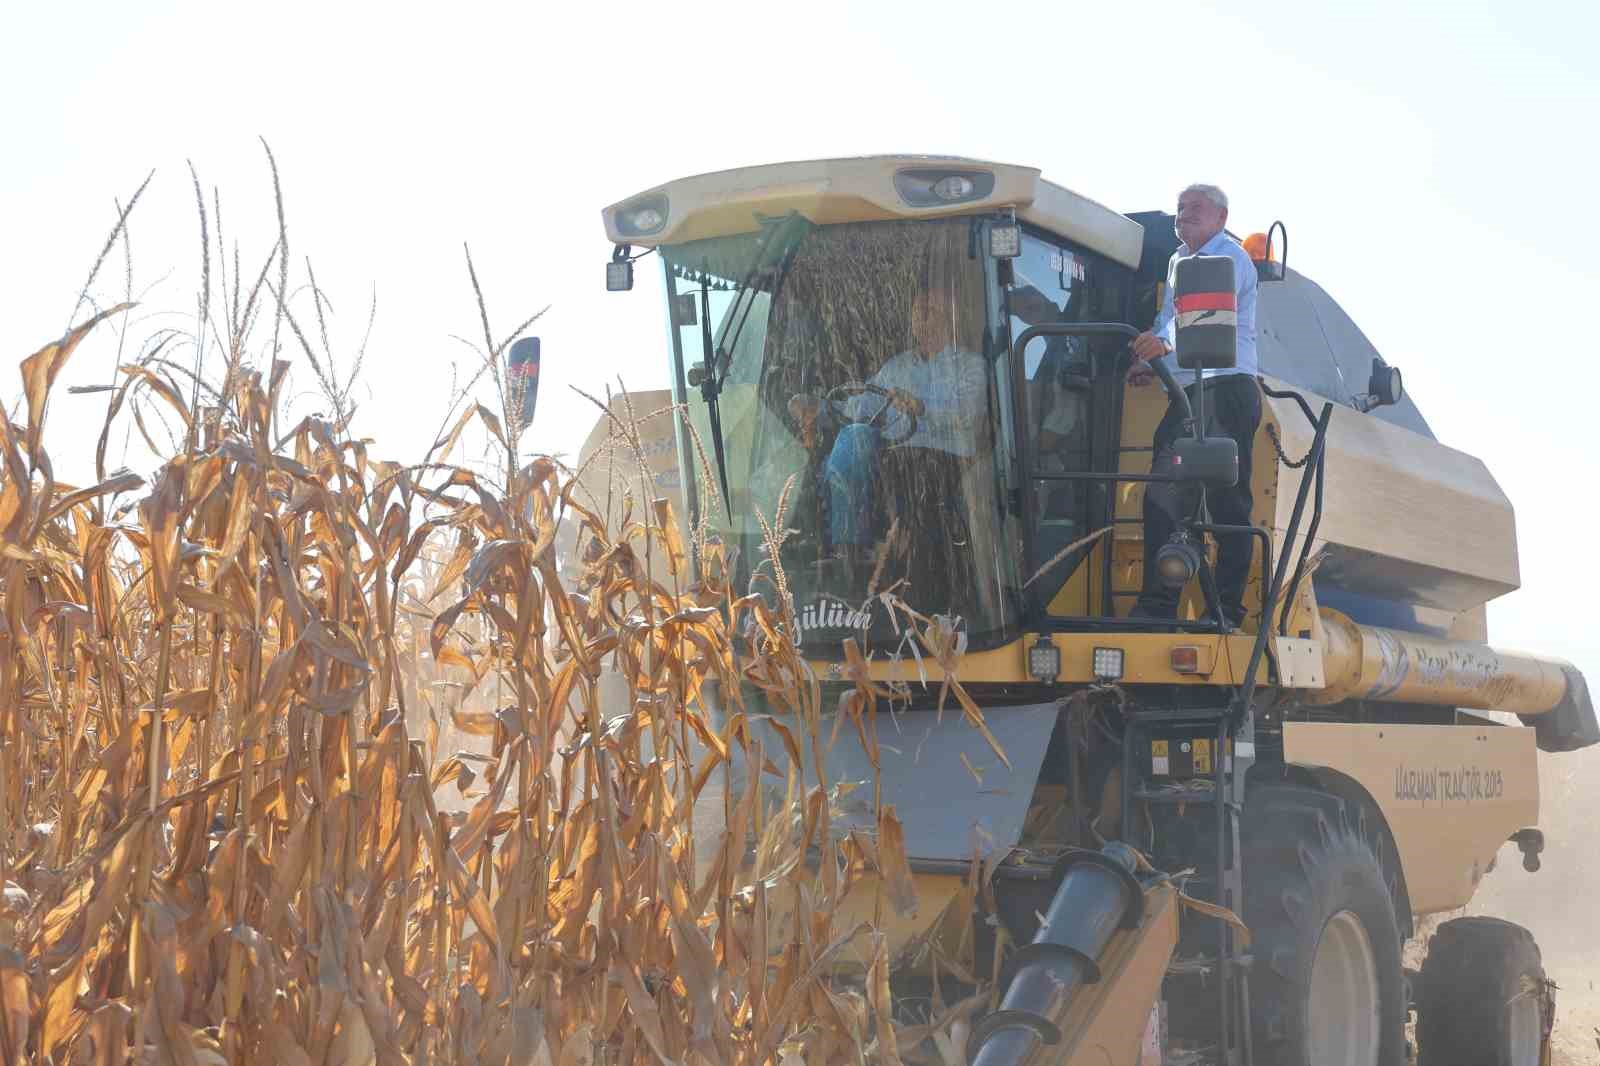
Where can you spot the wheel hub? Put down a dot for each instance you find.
(1525, 1030)
(1344, 1000)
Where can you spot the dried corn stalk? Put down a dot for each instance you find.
(220, 745)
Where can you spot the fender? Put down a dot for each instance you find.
(1448, 795)
(1372, 824)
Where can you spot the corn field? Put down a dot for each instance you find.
(226, 696)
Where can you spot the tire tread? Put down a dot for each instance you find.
(1473, 967)
(1307, 856)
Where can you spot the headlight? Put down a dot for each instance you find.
(928, 187)
(647, 220)
(1177, 562)
(642, 217)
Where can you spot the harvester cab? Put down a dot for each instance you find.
(906, 404)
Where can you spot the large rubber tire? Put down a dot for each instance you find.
(1321, 919)
(1484, 1000)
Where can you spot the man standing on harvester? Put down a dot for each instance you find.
(1233, 409)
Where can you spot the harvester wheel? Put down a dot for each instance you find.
(1484, 1000)
(1326, 988)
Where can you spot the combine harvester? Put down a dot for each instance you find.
(1327, 771)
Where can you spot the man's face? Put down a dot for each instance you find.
(932, 310)
(1199, 219)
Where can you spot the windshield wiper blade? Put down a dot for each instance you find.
(718, 358)
(782, 237)
(710, 387)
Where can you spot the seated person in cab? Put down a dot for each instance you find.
(934, 383)
(892, 452)
(1233, 409)
(907, 431)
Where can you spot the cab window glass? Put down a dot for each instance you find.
(1054, 282)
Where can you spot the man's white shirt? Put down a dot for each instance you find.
(953, 388)
(1244, 283)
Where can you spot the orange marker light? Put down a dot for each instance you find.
(1186, 659)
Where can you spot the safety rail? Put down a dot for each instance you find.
(1271, 595)
(1216, 622)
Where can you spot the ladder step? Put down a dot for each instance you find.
(1178, 716)
(1176, 795)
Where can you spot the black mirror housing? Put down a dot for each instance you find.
(1385, 386)
(1207, 323)
(1210, 461)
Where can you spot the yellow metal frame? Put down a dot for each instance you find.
(862, 189)
(1147, 660)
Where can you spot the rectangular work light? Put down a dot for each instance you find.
(1005, 240)
(619, 275)
(1044, 660)
(1107, 664)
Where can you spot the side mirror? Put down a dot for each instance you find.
(1207, 323)
(1385, 387)
(522, 375)
(1386, 384)
(1210, 461)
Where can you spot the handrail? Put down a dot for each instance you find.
(1316, 510)
(1177, 396)
(1102, 329)
(1305, 548)
(1247, 690)
(1290, 394)
(1024, 445)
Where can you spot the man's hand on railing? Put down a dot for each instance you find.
(1148, 346)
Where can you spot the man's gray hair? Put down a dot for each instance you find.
(1210, 192)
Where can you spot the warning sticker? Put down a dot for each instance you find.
(1160, 763)
(1202, 757)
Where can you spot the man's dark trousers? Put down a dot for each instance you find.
(1233, 409)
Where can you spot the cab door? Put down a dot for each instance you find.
(1068, 409)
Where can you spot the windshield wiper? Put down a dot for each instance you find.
(710, 388)
(782, 235)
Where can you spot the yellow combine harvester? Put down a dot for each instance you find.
(1326, 770)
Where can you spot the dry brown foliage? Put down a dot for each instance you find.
(220, 714)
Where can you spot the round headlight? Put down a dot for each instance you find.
(646, 219)
(953, 187)
(1176, 563)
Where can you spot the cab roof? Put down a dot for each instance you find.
(864, 189)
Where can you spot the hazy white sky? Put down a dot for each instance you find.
(1433, 161)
